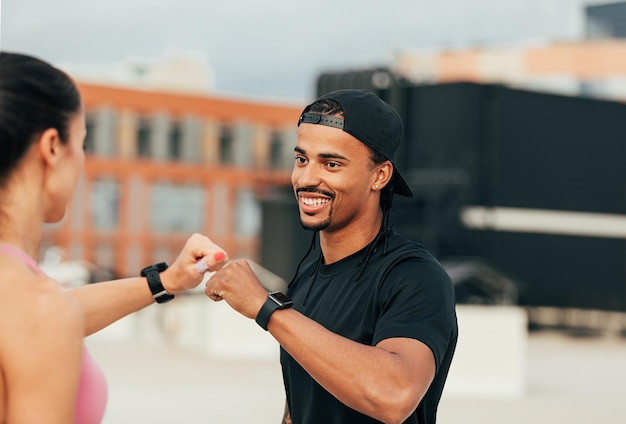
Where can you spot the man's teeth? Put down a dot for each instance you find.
(314, 202)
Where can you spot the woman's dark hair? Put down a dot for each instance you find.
(34, 96)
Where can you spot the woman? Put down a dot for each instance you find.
(46, 374)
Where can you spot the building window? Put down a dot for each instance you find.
(247, 213)
(90, 125)
(276, 147)
(143, 137)
(176, 207)
(226, 146)
(175, 140)
(105, 204)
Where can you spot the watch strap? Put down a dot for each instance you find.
(152, 274)
(269, 307)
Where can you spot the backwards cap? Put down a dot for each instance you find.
(371, 121)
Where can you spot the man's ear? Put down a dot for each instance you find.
(50, 146)
(384, 172)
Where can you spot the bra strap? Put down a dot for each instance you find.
(13, 251)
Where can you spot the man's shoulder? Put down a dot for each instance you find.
(400, 246)
(409, 258)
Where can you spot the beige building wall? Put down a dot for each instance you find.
(596, 68)
(458, 66)
(501, 65)
(210, 142)
(261, 138)
(419, 66)
(588, 60)
(127, 134)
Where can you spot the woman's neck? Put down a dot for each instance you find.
(20, 221)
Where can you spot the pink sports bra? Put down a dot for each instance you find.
(92, 389)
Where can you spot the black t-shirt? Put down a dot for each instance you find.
(401, 293)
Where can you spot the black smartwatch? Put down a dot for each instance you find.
(154, 282)
(275, 300)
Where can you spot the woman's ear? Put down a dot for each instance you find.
(50, 146)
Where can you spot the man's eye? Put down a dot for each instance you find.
(300, 159)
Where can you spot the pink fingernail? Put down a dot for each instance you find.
(219, 256)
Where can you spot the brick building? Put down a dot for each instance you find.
(161, 166)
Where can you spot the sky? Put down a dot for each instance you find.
(275, 49)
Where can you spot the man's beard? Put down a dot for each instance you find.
(324, 224)
(320, 225)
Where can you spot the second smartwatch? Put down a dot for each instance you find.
(275, 300)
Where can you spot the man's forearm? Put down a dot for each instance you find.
(286, 415)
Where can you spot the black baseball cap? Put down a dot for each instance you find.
(370, 120)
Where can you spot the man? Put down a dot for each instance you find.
(370, 330)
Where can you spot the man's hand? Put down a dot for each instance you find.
(237, 284)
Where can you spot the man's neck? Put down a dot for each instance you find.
(337, 245)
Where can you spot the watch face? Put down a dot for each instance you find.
(280, 298)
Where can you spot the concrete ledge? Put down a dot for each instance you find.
(490, 360)
(491, 354)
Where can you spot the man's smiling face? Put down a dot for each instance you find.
(332, 176)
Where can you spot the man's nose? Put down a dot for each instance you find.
(307, 176)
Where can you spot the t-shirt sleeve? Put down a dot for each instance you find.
(417, 301)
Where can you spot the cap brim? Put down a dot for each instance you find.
(400, 185)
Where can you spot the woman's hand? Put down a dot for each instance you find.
(198, 256)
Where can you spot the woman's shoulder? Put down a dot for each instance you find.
(31, 302)
(18, 279)
(41, 335)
